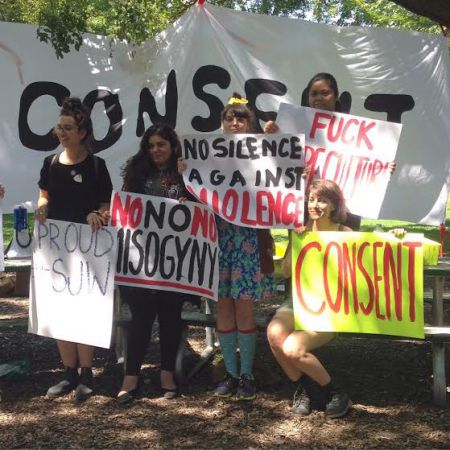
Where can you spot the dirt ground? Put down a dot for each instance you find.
(388, 381)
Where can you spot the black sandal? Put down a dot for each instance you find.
(127, 396)
(170, 394)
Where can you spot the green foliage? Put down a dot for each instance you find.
(62, 22)
(382, 13)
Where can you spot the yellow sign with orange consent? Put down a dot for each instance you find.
(358, 282)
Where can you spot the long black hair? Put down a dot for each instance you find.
(322, 76)
(137, 168)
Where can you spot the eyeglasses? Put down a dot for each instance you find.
(322, 93)
(63, 128)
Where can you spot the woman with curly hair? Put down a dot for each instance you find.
(74, 186)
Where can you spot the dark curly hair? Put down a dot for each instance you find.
(240, 110)
(73, 107)
(137, 168)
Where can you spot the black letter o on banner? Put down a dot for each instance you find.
(186, 213)
(33, 91)
(113, 111)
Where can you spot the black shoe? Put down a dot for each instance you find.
(170, 394)
(227, 387)
(65, 386)
(126, 397)
(247, 388)
(84, 388)
(339, 403)
(302, 403)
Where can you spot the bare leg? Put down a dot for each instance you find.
(85, 355)
(297, 348)
(278, 330)
(292, 348)
(68, 353)
(167, 380)
(226, 314)
(129, 383)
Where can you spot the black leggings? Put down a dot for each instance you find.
(145, 304)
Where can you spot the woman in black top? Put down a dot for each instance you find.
(74, 186)
(322, 92)
(153, 171)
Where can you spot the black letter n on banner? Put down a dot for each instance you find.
(29, 95)
(147, 105)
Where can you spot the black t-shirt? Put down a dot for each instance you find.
(75, 190)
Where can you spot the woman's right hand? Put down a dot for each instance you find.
(40, 214)
(181, 165)
(300, 230)
(271, 127)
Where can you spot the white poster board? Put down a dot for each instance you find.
(251, 180)
(166, 245)
(72, 283)
(354, 152)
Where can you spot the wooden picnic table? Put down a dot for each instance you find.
(436, 332)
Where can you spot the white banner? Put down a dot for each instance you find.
(252, 180)
(186, 74)
(354, 152)
(72, 283)
(164, 244)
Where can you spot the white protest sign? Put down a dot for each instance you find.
(166, 245)
(355, 152)
(252, 180)
(72, 284)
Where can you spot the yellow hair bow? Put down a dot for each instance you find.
(236, 100)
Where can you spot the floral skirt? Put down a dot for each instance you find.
(239, 270)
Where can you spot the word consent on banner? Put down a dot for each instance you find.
(166, 245)
(355, 152)
(72, 285)
(358, 282)
(249, 180)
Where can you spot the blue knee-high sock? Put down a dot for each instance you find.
(247, 346)
(228, 345)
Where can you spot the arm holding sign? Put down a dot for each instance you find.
(153, 171)
(292, 349)
(72, 184)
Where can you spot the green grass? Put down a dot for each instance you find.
(8, 222)
(430, 232)
(281, 235)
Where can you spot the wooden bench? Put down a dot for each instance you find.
(439, 336)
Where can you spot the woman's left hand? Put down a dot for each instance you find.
(392, 166)
(97, 219)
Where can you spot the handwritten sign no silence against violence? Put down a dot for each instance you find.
(358, 282)
(249, 180)
(354, 152)
(165, 245)
(72, 288)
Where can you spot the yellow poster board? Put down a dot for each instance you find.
(358, 282)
